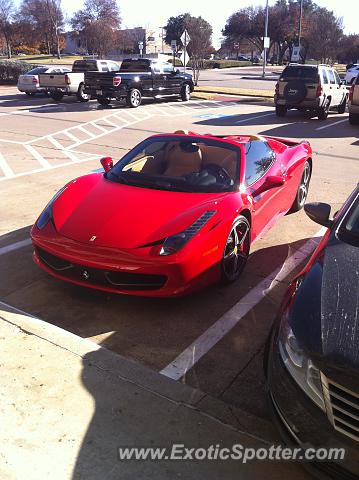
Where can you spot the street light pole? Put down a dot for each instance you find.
(264, 40)
(300, 24)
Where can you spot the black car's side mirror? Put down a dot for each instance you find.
(319, 213)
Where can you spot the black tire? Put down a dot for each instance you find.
(30, 94)
(303, 189)
(236, 250)
(185, 92)
(134, 98)
(342, 107)
(295, 91)
(323, 111)
(57, 96)
(81, 95)
(281, 110)
(353, 119)
(104, 101)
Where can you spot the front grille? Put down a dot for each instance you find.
(95, 276)
(342, 408)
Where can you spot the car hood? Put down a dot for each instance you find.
(124, 216)
(325, 313)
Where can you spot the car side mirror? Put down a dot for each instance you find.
(273, 181)
(107, 163)
(319, 213)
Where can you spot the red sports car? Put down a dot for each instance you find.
(176, 213)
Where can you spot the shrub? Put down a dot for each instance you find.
(10, 70)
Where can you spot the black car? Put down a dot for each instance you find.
(137, 78)
(312, 360)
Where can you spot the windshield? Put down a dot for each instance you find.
(185, 164)
(349, 231)
(37, 70)
(84, 66)
(135, 66)
(300, 73)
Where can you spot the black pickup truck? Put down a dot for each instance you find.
(138, 78)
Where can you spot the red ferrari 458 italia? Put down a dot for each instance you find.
(176, 213)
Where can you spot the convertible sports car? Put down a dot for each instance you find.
(176, 213)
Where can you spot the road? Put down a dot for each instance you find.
(244, 77)
(45, 144)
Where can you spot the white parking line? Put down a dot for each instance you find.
(332, 124)
(254, 118)
(42, 161)
(5, 167)
(189, 357)
(15, 246)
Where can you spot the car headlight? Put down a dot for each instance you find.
(175, 242)
(46, 214)
(298, 364)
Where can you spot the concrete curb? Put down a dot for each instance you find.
(142, 376)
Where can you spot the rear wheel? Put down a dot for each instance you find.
(185, 93)
(104, 101)
(236, 250)
(57, 96)
(134, 98)
(303, 189)
(342, 107)
(81, 95)
(280, 110)
(353, 119)
(323, 111)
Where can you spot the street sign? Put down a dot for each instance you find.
(236, 46)
(266, 42)
(295, 54)
(185, 38)
(173, 45)
(184, 57)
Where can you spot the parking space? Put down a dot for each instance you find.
(213, 340)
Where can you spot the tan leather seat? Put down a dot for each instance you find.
(224, 158)
(180, 162)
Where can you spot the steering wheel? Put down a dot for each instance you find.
(221, 174)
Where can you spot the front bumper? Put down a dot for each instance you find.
(302, 423)
(124, 272)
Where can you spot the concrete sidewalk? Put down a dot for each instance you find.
(68, 404)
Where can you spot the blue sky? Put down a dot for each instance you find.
(156, 12)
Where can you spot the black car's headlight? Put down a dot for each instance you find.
(46, 214)
(175, 242)
(298, 364)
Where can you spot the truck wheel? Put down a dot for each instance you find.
(57, 96)
(133, 98)
(343, 106)
(323, 111)
(81, 95)
(104, 101)
(280, 110)
(185, 93)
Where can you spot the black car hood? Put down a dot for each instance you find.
(325, 313)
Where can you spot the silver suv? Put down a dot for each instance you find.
(315, 88)
(354, 102)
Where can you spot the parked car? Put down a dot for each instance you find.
(351, 74)
(354, 102)
(29, 82)
(315, 88)
(72, 83)
(137, 78)
(169, 218)
(312, 363)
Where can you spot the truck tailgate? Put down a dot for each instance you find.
(52, 80)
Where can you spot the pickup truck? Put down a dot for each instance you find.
(72, 83)
(138, 78)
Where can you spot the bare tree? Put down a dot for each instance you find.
(7, 11)
(56, 19)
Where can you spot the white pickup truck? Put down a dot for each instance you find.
(72, 83)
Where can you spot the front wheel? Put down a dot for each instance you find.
(133, 99)
(303, 189)
(81, 95)
(104, 101)
(185, 93)
(57, 96)
(342, 107)
(323, 111)
(236, 250)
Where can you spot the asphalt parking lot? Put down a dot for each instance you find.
(213, 340)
